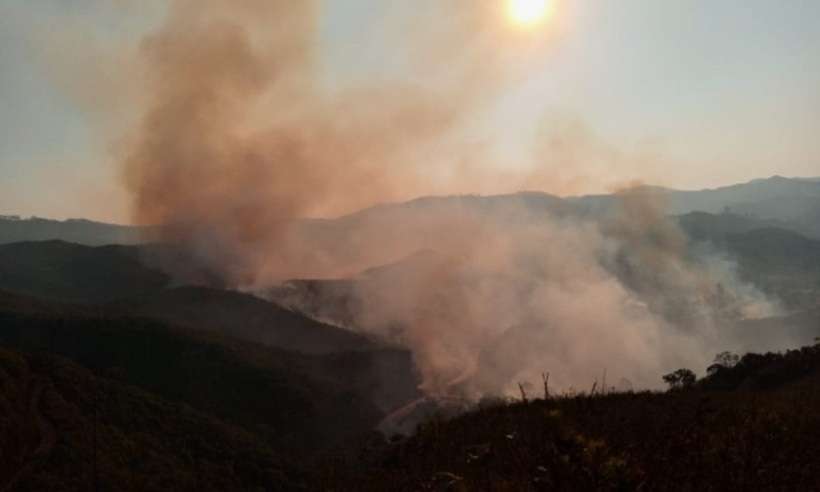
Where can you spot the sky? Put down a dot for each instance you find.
(681, 93)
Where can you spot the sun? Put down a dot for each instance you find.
(528, 12)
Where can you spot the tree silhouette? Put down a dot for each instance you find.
(723, 360)
(727, 359)
(680, 379)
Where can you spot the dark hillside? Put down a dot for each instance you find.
(63, 428)
(73, 273)
(773, 248)
(702, 226)
(18, 303)
(385, 374)
(762, 432)
(245, 317)
(775, 256)
(769, 371)
(294, 401)
(782, 263)
(113, 282)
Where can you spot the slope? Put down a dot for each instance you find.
(293, 401)
(64, 428)
(760, 435)
(74, 273)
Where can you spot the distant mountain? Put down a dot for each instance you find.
(16, 229)
(777, 249)
(788, 200)
(523, 205)
(781, 332)
(753, 198)
(785, 203)
(770, 226)
(718, 227)
(792, 204)
(782, 263)
(69, 272)
(771, 254)
(795, 201)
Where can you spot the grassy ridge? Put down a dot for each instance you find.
(763, 434)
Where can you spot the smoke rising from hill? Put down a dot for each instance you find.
(238, 137)
(492, 292)
(238, 140)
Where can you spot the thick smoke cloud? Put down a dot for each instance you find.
(238, 141)
(490, 292)
(238, 138)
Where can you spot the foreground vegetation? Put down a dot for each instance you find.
(89, 403)
(752, 426)
(63, 428)
(109, 398)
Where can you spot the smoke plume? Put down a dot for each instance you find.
(239, 141)
(490, 292)
(239, 138)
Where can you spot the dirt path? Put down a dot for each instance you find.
(48, 437)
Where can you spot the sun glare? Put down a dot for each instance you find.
(528, 12)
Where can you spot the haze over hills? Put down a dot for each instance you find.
(790, 202)
(754, 264)
(80, 231)
(310, 366)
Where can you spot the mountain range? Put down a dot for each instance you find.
(792, 203)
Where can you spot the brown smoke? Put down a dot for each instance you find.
(491, 291)
(239, 140)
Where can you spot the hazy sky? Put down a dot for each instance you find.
(684, 93)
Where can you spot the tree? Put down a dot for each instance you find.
(723, 360)
(727, 359)
(680, 379)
